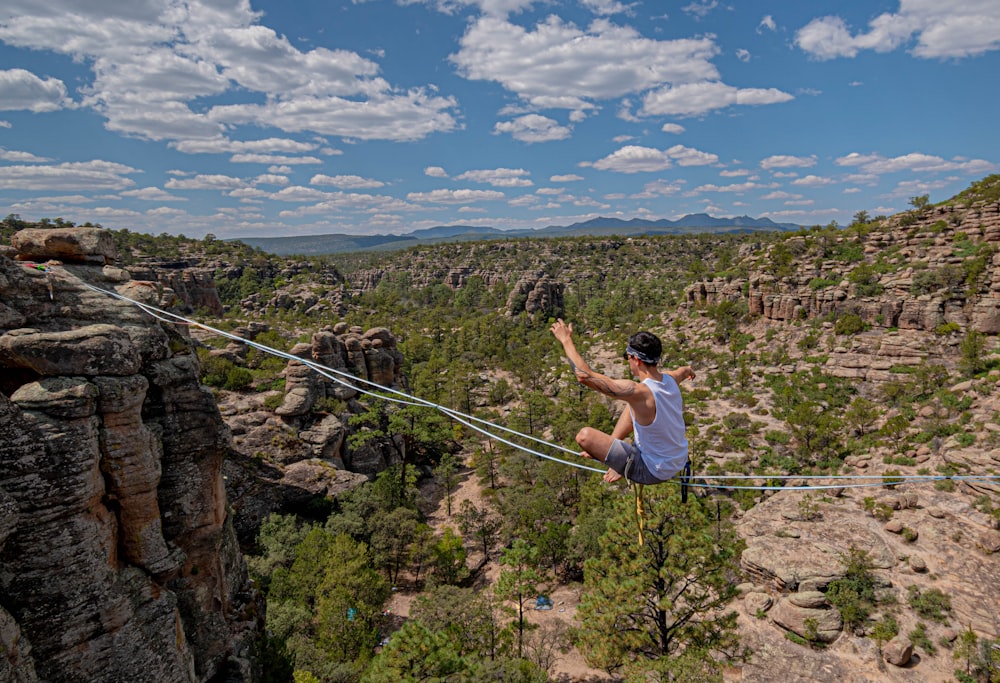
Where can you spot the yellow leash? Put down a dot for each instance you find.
(640, 510)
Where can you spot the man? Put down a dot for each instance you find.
(654, 414)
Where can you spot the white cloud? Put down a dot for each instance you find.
(787, 161)
(659, 188)
(435, 172)
(569, 178)
(673, 128)
(607, 7)
(686, 156)
(916, 162)
(205, 182)
(735, 173)
(942, 30)
(812, 181)
(154, 64)
(498, 177)
(20, 89)
(21, 157)
(455, 196)
(695, 99)
(270, 179)
(701, 8)
(558, 65)
(781, 195)
(348, 182)
(743, 55)
(638, 159)
(533, 128)
(153, 194)
(738, 188)
(634, 159)
(272, 159)
(224, 145)
(767, 23)
(86, 175)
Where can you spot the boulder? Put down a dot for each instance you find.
(811, 623)
(88, 350)
(73, 245)
(898, 651)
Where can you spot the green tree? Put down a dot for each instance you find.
(447, 475)
(854, 593)
(519, 583)
(392, 537)
(649, 604)
(448, 558)
(972, 350)
(413, 433)
(415, 653)
(861, 415)
(480, 523)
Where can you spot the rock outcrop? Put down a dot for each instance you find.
(118, 561)
(928, 280)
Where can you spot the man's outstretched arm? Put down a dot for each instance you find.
(615, 388)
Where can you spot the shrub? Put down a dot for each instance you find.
(930, 604)
(849, 323)
(854, 594)
(238, 379)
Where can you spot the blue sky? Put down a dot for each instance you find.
(297, 117)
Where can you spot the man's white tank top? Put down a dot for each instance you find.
(662, 443)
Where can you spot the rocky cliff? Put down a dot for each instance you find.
(118, 558)
(920, 274)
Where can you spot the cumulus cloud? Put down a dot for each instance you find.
(767, 23)
(435, 172)
(21, 157)
(634, 159)
(498, 177)
(568, 178)
(533, 128)
(205, 182)
(348, 182)
(638, 159)
(272, 159)
(85, 175)
(20, 89)
(673, 128)
(786, 161)
(455, 196)
(695, 99)
(558, 65)
(812, 181)
(154, 63)
(942, 30)
(916, 162)
(153, 194)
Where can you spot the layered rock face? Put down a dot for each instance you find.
(117, 558)
(923, 295)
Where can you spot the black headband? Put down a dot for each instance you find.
(632, 351)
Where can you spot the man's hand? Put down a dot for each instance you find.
(562, 331)
(611, 476)
(687, 372)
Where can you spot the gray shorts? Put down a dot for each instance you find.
(625, 459)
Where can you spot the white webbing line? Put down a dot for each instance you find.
(396, 396)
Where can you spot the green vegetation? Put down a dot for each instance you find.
(469, 345)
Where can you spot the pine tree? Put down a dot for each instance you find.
(660, 607)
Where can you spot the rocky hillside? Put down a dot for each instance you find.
(118, 560)
(912, 299)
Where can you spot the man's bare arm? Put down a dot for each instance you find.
(615, 388)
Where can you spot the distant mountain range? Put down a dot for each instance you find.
(315, 245)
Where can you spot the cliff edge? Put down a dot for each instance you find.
(118, 561)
